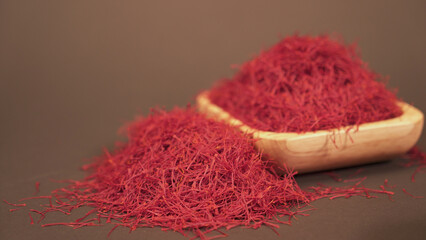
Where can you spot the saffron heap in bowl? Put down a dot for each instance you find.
(306, 84)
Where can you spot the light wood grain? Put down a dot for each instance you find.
(335, 148)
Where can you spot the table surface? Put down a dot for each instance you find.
(72, 73)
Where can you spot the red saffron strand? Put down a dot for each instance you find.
(69, 224)
(85, 216)
(336, 177)
(357, 172)
(42, 214)
(37, 187)
(411, 195)
(31, 218)
(386, 184)
(417, 158)
(112, 229)
(15, 204)
(37, 197)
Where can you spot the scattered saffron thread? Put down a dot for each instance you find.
(336, 177)
(386, 184)
(37, 188)
(15, 204)
(417, 158)
(411, 195)
(357, 172)
(31, 218)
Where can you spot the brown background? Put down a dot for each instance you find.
(71, 72)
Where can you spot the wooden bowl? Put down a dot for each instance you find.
(334, 148)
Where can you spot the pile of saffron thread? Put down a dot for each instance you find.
(303, 84)
(184, 172)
